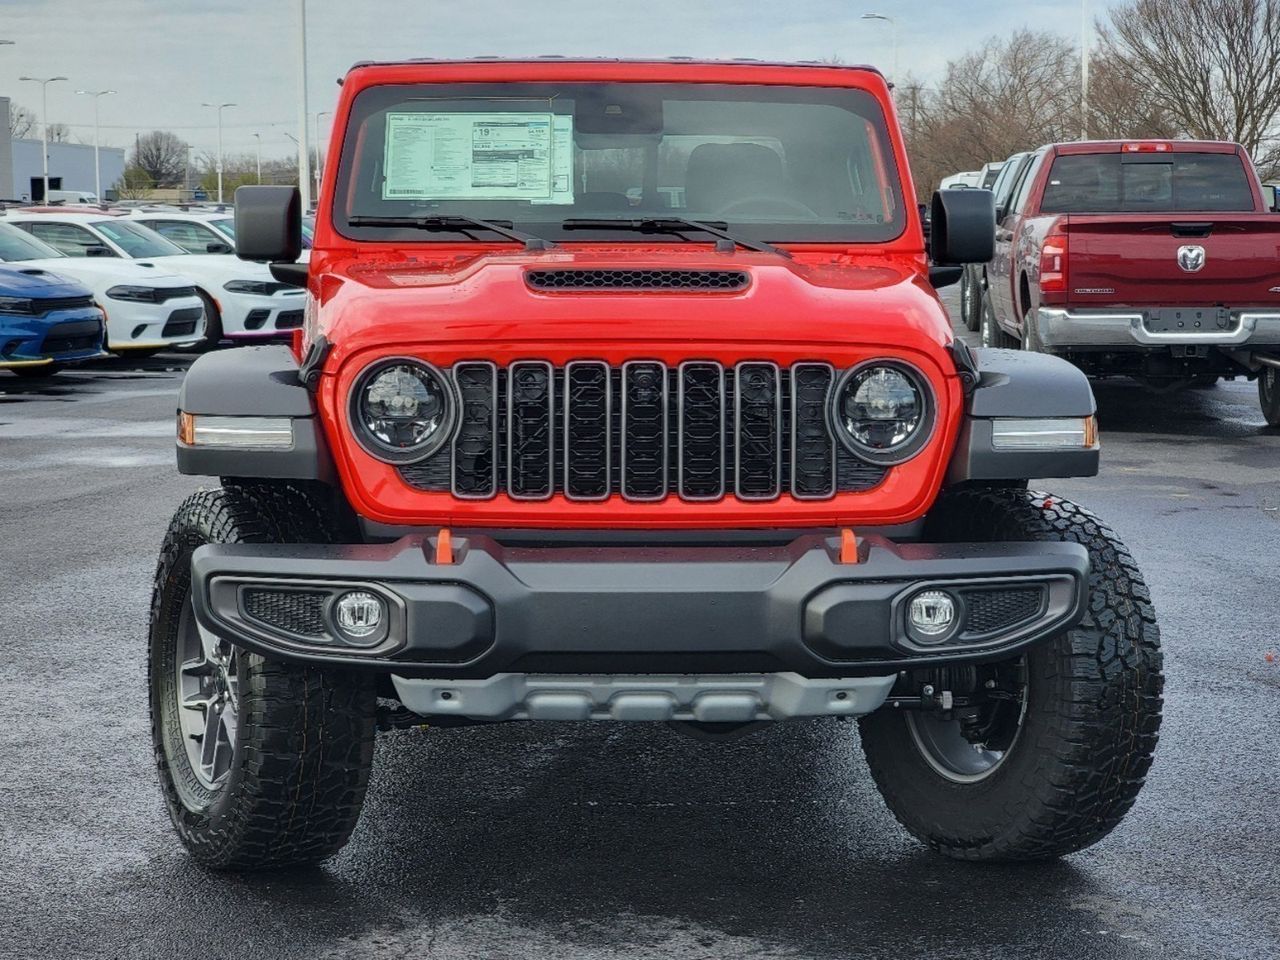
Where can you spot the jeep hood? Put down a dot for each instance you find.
(816, 298)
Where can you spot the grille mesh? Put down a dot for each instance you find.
(645, 431)
(296, 611)
(991, 610)
(638, 279)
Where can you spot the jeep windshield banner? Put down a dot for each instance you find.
(479, 156)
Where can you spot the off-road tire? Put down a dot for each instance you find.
(305, 736)
(1269, 395)
(1093, 705)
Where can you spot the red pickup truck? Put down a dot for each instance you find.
(1151, 259)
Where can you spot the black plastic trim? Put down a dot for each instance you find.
(566, 603)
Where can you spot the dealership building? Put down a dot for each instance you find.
(70, 165)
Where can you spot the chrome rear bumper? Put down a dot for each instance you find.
(1064, 330)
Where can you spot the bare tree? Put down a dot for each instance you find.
(1211, 64)
(58, 133)
(1008, 95)
(162, 156)
(21, 120)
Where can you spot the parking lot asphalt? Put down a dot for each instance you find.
(612, 841)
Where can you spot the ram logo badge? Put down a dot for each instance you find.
(1191, 258)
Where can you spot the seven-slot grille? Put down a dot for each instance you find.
(643, 430)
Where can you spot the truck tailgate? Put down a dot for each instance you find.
(1133, 259)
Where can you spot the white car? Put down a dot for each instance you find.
(243, 301)
(147, 308)
(206, 231)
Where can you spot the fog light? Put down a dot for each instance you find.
(359, 614)
(931, 616)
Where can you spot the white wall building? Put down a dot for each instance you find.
(70, 165)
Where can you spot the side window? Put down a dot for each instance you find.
(66, 238)
(1008, 176)
(191, 237)
(1023, 189)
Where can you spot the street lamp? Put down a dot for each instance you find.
(893, 36)
(219, 107)
(322, 113)
(1084, 69)
(44, 127)
(258, 138)
(304, 181)
(97, 167)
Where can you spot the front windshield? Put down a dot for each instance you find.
(137, 240)
(18, 245)
(775, 163)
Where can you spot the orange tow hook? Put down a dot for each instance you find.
(848, 546)
(444, 547)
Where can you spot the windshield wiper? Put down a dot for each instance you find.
(453, 223)
(676, 226)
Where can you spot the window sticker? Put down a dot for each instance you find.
(478, 156)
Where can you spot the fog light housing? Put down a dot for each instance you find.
(931, 616)
(360, 617)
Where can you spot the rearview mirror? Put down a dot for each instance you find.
(268, 224)
(963, 226)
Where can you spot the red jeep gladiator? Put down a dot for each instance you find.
(1153, 259)
(624, 394)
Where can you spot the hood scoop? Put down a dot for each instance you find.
(707, 281)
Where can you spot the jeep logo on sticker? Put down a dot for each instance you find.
(1191, 258)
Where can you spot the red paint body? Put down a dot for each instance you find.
(444, 302)
(1129, 259)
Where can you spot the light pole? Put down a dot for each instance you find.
(1084, 69)
(893, 37)
(44, 126)
(258, 137)
(322, 113)
(219, 107)
(97, 166)
(304, 179)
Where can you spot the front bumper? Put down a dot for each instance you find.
(255, 318)
(1065, 330)
(598, 614)
(146, 326)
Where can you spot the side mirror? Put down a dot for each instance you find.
(97, 250)
(217, 246)
(963, 228)
(1270, 198)
(268, 224)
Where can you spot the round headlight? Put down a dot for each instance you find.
(402, 410)
(882, 412)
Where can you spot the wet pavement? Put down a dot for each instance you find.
(630, 840)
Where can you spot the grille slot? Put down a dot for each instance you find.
(757, 398)
(588, 427)
(700, 437)
(294, 611)
(475, 448)
(183, 322)
(644, 431)
(51, 304)
(813, 450)
(990, 610)
(530, 430)
(710, 280)
(72, 337)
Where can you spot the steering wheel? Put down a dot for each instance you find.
(765, 205)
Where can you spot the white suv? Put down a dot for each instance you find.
(242, 300)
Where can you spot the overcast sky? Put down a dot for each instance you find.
(165, 57)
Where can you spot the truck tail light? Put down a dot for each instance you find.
(1053, 262)
(1147, 147)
